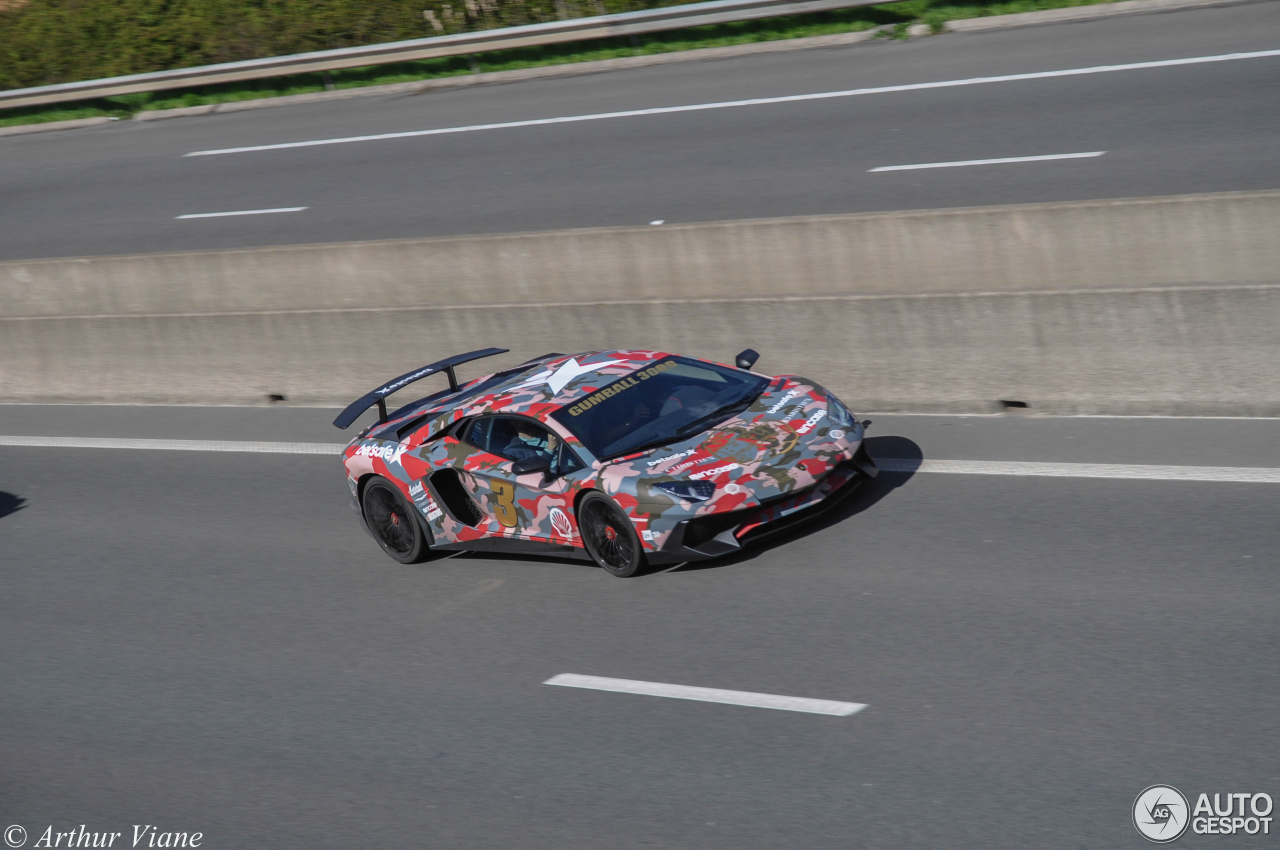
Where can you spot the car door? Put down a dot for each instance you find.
(535, 505)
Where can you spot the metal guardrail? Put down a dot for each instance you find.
(532, 35)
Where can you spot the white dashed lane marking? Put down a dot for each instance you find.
(964, 162)
(1224, 474)
(242, 212)
(747, 698)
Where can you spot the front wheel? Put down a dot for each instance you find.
(394, 524)
(610, 538)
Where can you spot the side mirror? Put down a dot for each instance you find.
(537, 463)
(747, 359)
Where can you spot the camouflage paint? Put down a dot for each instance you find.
(785, 443)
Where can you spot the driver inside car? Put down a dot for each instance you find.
(528, 441)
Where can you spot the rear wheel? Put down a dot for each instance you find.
(610, 538)
(394, 523)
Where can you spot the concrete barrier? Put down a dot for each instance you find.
(1165, 305)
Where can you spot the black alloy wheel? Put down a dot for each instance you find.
(394, 523)
(610, 538)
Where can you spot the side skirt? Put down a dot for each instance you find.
(515, 546)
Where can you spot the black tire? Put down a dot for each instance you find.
(394, 523)
(609, 536)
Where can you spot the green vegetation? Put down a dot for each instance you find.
(48, 41)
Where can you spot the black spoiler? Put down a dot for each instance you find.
(379, 396)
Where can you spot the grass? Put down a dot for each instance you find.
(938, 13)
(932, 12)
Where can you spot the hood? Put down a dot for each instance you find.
(784, 442)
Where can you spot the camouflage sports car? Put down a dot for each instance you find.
(629, 457)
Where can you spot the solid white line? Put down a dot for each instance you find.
(176, 445)
(965, 162)
(658, 689)
(242, 212)
(1224, 474)
(1003, 415)
(759, 101)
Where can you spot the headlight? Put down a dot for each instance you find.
(691, 491)
(840, 415)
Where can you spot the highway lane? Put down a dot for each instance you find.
(1015, 437)
(209, 643)
(121, 188)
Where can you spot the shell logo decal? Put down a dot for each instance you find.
(560, 524)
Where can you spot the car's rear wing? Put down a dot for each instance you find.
(379, 396)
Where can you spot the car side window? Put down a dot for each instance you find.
(516, 438)
(566, 461)
(513, 438)
(477, 433)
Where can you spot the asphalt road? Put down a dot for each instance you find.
(119, 188)
(209, 643)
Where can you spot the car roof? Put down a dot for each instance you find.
(559, 381)
(536, 388)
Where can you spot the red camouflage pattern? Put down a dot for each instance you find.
(784, 452)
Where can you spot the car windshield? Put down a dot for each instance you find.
(669, 400)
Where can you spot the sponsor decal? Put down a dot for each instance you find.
(811, 422)
(407, 379)
(681, 467)
(648, 535)
(734, 489)
(707, 473)
(782, 402)
(651, 464)
(391, 454)
(560, 524)
(621, 386)
(836, 434)
(688, 464)
(423, 500)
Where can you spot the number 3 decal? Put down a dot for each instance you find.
(504, 506)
